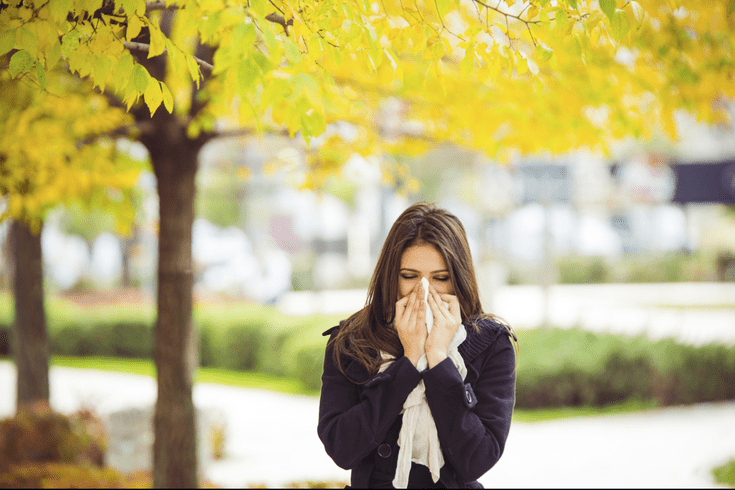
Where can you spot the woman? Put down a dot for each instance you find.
(370, 366)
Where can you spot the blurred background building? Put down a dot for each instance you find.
(537, 221)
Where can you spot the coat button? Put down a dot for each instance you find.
(469, 396)
(384, 450)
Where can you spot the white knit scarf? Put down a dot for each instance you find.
(418, 439)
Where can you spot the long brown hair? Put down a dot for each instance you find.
(370, 331)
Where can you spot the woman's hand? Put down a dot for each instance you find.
(411, 323)
(446, 322)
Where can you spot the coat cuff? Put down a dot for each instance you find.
(401, 371)
(444, 379)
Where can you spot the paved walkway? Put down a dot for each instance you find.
(272, 441)
(691, 313)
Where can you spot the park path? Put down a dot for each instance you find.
(272, 441)
(692, 313)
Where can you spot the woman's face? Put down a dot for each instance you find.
(423, 260)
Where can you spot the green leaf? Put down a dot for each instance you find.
(273, 92)
(141, 78)
(305, 84)
(292, 52)
(608, 7)
(372, 35)
(467, 65)
(124, 67)
(247, 73)
(53, 55)
(41, 76)
(262, 61)
(168, 99)
(620, 25)
(544, 53)
(27, 40)
(243, 37)
(561, 18)
(313, 124)
(7, 42)
(20, 63)
(69, 43)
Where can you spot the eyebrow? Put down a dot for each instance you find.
(432, 272)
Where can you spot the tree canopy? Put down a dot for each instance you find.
(497, 76)
(56, 147)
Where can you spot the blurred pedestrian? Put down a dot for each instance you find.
(418, 387)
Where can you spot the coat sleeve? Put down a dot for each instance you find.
(473, 423)
(354, 419)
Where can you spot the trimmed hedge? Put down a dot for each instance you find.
(247, 337)
(637, 268)
(575, 368)
(555, 367)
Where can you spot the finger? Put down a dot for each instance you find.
(439, 308)
(421, 317)
(436, 309)
(453, 302)
(401, 306)
(449, 298)
(414, 296)
(415, 313)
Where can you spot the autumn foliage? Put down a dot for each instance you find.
(526, 75)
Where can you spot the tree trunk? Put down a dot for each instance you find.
(30, 341)
(174, 158)
(176, 342)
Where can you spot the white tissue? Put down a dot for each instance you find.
(429, 314)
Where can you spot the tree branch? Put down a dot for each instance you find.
(143, 47)
(128, 131)
(150, 6)
(506, 14)
(280, 20)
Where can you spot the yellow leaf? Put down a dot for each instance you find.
(153, 95)
(158, 41)
(135, 24)
(522, 66)
(168, 100)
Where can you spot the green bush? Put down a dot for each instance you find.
(556, 367)
(309, 362)
(583, 270)
(574, 368)
(73, 340)
(633, 268)
(725, 474)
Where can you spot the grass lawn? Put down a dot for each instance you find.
(145, 367)
(292, 386)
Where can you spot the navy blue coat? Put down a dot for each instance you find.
(359, 423)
